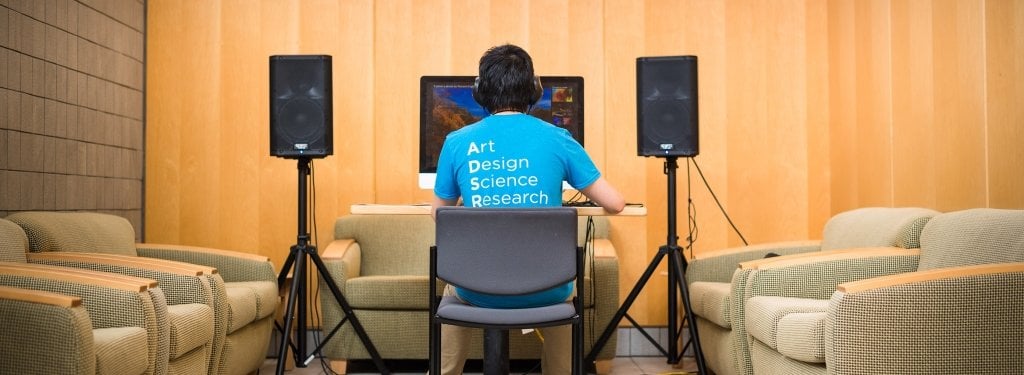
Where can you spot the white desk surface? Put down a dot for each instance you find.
(424, 209)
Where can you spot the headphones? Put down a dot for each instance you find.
(538, 91)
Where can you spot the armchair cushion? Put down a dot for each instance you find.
(120, 350)
(710, 300)
(250, 301)
(77, 231)
(876, 226)
(793, 326)
(992, 235)
(191, 327)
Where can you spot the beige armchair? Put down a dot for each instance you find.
(241, 288)
(718, 283)
(68, 321)
(954, 308)
(381, 265)
(65, 342)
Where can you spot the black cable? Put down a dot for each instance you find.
(726, 214)
(315, 286)
(590, 248)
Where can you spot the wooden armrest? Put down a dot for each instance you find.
(337, 248)
(930, 275)
(758, 247)
(229, 253)
(823, 256)
(167, 266)
(109, 280)
(603, 248)
(37, 296)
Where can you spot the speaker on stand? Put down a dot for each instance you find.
(301, 128)
(666, 114)
(667, 122)
(301, 109)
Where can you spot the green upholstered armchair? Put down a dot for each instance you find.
(240, 287)
(954, 308)
(46, 333)
(381, 264)
(68, 321)
(717, 282)
(190, 300)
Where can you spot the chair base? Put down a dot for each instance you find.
(496, 351)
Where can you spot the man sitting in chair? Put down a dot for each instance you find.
(512, 159)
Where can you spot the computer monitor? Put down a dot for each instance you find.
(447, 104)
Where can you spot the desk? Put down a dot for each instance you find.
(424, 209)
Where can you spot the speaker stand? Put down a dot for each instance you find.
(296, 262)
(676, 278)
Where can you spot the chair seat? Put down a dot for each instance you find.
(795, 327)
(452, 308)
(250, 301)
(191, 327)
(711, 301)
(121, 350)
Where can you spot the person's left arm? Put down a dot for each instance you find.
(439, 202)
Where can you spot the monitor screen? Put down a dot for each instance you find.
(447, 104)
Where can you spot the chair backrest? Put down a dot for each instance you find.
(77, 231)
(875, 227)
(13, 243)
(483, 249)
(972, 237)
(390, 244)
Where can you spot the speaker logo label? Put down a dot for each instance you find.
(666, 146)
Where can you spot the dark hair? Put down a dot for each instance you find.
(506, 80)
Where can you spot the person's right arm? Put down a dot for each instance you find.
(605, 195)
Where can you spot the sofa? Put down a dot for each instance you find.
(952, 306)
(239, 289)
(60, 320)
(381, 265)
(717, 279)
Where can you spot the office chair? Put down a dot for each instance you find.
(505, 251)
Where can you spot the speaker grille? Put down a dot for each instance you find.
(667, 118)
(300, 106)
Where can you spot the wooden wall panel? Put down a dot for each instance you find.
(623, 37)
(808, 108)
(913, 93)
(1004, 47)
(960, 149)
(842, 58)
(873, 100)
(817, 117)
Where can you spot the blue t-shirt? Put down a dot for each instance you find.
(512, 160)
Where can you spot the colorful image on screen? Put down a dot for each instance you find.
(447, 104)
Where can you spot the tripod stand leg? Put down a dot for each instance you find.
(614, 323)
(358, 327)
(298, 275)
(698, 354)
(283, 277)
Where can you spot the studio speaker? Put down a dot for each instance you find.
(301, 124)
(666, 106)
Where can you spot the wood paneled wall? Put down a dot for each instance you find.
(808, 108)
